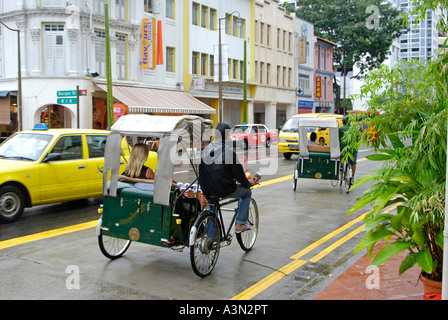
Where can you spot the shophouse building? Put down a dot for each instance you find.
(305, 41)
(275, 64)
(323, 76)
(203, 21)
(62, 48)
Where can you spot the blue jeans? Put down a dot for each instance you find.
(244, 194)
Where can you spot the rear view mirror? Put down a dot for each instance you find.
(52, 157)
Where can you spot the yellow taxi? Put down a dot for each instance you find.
(288, 137)
(43, 166)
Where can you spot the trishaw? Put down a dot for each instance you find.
(321, 162)
(159, 213)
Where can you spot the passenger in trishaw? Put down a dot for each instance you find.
(218, 171)
(136, 171)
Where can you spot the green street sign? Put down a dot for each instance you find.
(67, 100)
(67, 93)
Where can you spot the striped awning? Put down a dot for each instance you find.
(150, 100)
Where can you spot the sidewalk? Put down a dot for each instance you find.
(351, 285)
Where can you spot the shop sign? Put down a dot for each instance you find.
(318, 87)
(148, 47)
(119, 110)
(302, 50)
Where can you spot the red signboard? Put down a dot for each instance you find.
(119, 110)
(318, 87)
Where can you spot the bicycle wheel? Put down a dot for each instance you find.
(246, 239)
(204, 251)
(348, 177)
(112, 247)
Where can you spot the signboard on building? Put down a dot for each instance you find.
(318, 87)
(302, 50)
(119, 110)
(148, 47)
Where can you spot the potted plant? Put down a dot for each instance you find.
(410, 135)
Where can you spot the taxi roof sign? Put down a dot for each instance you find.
(40, 126)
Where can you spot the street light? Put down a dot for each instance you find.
(19, 78)
(239, 23)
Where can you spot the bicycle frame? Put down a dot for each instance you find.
(217, 211)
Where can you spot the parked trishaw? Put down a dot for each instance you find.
(321, 162)
(161, 212)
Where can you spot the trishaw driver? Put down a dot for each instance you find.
(218, 171)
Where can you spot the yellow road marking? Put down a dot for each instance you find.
(294, 265)
(46, 234)
(269, 280)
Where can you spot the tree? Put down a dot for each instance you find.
(363, 30)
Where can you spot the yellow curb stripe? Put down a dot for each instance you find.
(269, 280)
(46, 234)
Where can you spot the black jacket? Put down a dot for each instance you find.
(219, 169)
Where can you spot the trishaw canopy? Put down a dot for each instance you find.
(188, 131)
(331, 123)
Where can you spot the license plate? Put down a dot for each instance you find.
(296, 146)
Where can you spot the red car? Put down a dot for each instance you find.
(253, 135)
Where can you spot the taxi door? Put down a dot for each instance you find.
(66, 178)
(96, 145)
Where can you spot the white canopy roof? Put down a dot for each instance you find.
(331, 123)
(171, 130)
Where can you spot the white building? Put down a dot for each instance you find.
(63, 48)
(202, 21)
(275, 64)
(305, 40)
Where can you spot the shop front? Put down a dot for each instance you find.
(144, 100)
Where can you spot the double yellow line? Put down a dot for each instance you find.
(297, 262)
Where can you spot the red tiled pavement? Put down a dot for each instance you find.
(351, 285)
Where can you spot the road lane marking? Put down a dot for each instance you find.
(297, 263)
(46, 234)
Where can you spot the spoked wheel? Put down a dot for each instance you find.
(246, 239)
(348, 177)
(204, 251)
(112, 247)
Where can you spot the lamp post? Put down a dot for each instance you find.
(19, 77)
(239, 22)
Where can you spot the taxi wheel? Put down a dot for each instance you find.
(268, 143)
(11, 204)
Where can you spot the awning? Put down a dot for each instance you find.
(142, 99)
(4, 93)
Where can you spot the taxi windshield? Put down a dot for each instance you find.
(292, 125)
(241, 129)
(24, 146)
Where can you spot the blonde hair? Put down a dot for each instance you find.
(139, 155)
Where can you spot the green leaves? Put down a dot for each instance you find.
(389, 251)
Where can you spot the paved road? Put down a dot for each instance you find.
(305, 240)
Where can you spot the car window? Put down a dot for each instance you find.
(262, 129)
(70, 147)
(96, 145)
(254, 129)
(240, 129)
(292, 125)
(24, 146)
